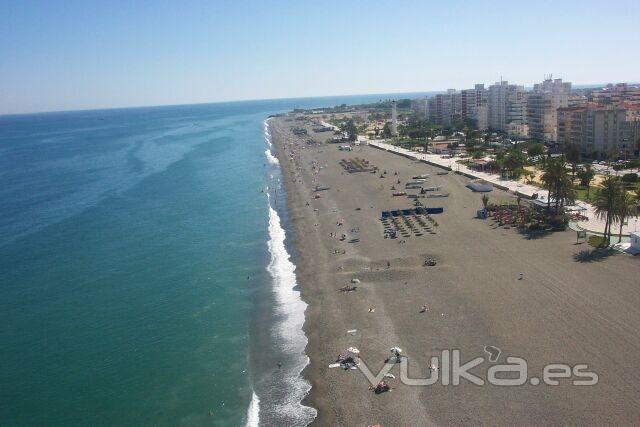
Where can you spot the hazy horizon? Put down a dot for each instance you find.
(421, 93)
(75, 55)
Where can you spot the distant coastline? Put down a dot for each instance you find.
(353, 97)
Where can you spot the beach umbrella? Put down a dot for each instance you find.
(353, 350)
(396, 350)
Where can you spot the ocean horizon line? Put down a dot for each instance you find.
(237, 101)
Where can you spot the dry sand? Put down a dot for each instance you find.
(571, 307)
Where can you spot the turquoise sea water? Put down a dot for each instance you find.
(140, 278)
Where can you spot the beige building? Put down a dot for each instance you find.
(542, 105)
(517, 130)
(600, 131)
(474, 106)
(445, 108)
(618, 94)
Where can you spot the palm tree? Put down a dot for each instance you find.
(586, 175)
(605, 203)
(572, 153)
(564, 190)
(547, 179)
(625, 207)
(485, 201)
(558, 183)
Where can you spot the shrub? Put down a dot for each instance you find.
(630, 177)
(597, 241)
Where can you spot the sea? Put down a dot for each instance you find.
(146, 276)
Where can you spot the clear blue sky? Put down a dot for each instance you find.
(77, 54)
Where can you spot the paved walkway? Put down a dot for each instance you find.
(593, 224)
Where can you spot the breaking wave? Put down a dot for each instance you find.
(284, 400)
(253, 413)
(291, 308)
(271, 158)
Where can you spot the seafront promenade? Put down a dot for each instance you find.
(592, 225)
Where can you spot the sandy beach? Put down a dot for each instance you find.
(572, 305)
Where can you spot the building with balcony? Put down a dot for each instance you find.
(445, 108)
(618, 94)
(474, 106)
(542, 105)
(600, 131)
(505, 104)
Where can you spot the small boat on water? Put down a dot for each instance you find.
(322, 188)
(423, 176)
(443, 173)
(399, 193)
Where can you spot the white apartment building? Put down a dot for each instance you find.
(542, 105)
(445, 108)
(506, 104)
(474, 106)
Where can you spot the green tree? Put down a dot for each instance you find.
(605, 203)
(558, 184)
(586, 175)
(625, 208)
(512, 162)
(572, 154)
(415, 128)
(404, 103)
(535, 149)
(386, 130)
(349, 127)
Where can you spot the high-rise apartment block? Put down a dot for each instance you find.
(506, 104)
(542, 106)
(600, 131)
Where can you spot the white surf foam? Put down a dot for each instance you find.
(291, 308)
(271, 158)
(267, 137)
(253, 413)
(267, 134)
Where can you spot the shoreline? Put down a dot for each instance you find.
(293, 246)
(316, 272)
(563, 311)
(278, 340)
